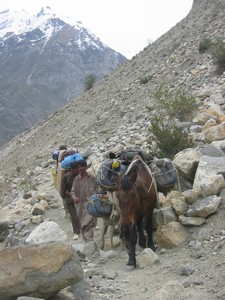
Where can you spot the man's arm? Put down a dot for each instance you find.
(73, 192)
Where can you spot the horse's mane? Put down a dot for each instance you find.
(125, 182)
(136, 165)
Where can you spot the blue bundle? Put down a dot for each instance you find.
(66, 163)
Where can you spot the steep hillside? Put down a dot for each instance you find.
(118, 103)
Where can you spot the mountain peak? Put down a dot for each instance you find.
(20, 21)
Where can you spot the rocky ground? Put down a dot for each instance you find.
(194, 270)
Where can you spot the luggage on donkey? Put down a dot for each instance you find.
(99, 205)
(126, 156)
(107, 170)
(164, 173)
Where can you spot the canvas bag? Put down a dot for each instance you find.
(98, 206)
(164, 172)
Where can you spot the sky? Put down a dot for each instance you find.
(126, 26)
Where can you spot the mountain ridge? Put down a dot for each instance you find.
(44, 62)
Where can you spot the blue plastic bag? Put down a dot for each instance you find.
(66, 163)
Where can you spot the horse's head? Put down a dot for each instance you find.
(126, 192)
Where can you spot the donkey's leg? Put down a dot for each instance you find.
(111, 233)
(103, 231)
(149, 230)
(142, 239)
(133, 242)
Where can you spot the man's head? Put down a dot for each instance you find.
(82, 167)
(74, 168)
(62, 147)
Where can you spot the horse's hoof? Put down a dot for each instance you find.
(142, 245)
(102, 246)
(129, 268)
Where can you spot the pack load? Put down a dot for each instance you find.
(99, 205)
(107, 170)
(69, 159)
(64, 153)
(126, 156)
(54, 175)
(55, 154)
(164, 172)
(60, 175)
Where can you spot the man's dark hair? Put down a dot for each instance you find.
(82, 163)
(62, 147)
(74, 165)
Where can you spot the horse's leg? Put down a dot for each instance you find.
(125, 236)
(133, 242)
(142, 239)
(111, 233)
(149, 230)
(103, 231)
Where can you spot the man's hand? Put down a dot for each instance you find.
(75, 199)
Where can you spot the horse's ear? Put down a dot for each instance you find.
(133, 177)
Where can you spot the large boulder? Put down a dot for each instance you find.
(186, 163)
(39, 271)
(207, 167)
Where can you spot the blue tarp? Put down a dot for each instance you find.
(66, 163)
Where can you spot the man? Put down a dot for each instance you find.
(67, 183)
(84, 185)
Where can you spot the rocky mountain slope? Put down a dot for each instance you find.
(117, 109)
(115, 114)
(44, 61)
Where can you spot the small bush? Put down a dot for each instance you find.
(89, 81)
(204, 45)
(145, 79)
(170, 139)
(179, 106)
(218, 55)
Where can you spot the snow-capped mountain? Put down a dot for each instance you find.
(21, 22)
(44, 60)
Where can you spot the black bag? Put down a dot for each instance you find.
(98, 206)
(164, 172)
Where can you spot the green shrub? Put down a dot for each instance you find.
(168, 138)
(218, 55)
(180, 106)
(170, 109)
(204, 45)
(145, 79)
(89, 81)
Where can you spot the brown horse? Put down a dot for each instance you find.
(137, 194)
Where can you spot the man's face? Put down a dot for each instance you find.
(75, 171)
(82, 169)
